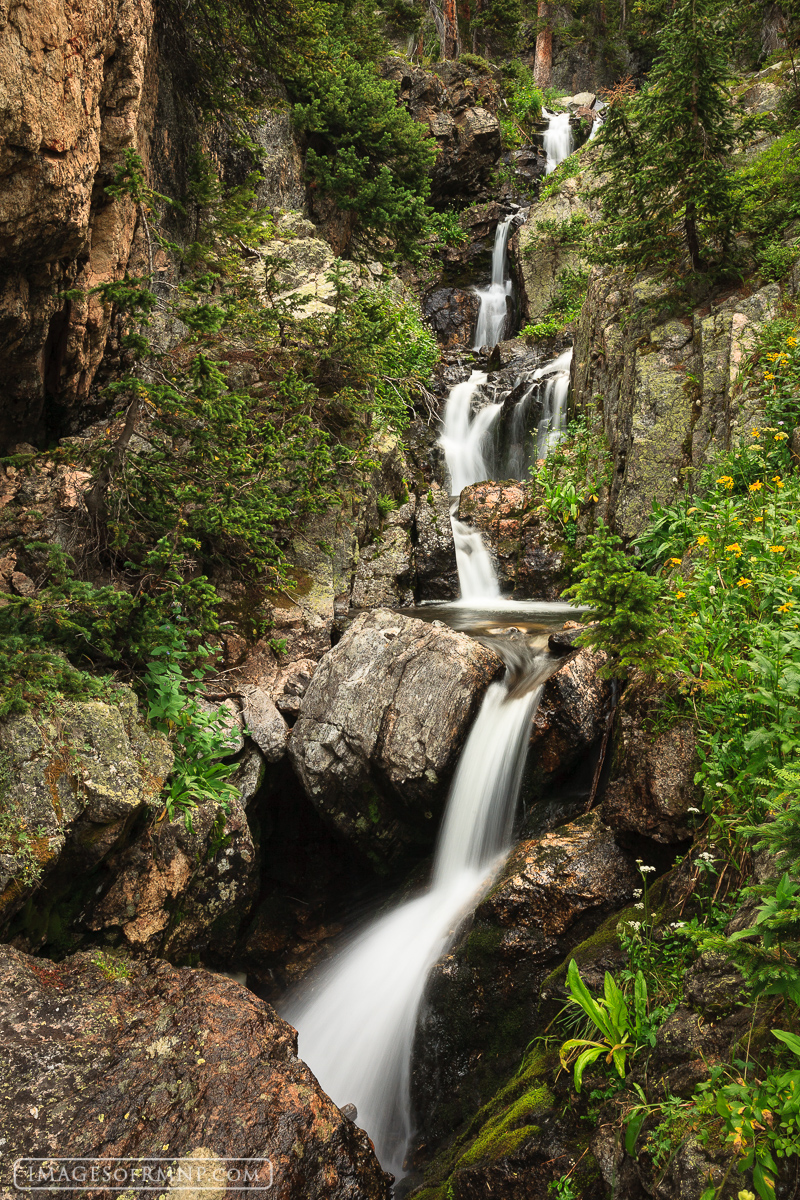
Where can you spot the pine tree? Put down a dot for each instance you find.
(666, 152)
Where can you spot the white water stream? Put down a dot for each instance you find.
(357, 1019)
(494, 299)
(357, 1027)
(557, 140)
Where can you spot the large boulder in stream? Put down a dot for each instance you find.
(121, 1059)
(381, 728)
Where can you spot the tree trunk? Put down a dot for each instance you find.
(543, 63)
(450, 47)
(692, 240)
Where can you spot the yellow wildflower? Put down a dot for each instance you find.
(744, 582)
(735, 548)
(755, 487)
(777, 549)
(785, 607)
(758, 520)
(676, 562)
(791, 341)
(768, 375)
(726, 481)
(775, 479)
(754, 433)
(680, 595)
(701, 541)
(780, 437)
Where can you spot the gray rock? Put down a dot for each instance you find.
(266, 725)
(70, 786)
(249, 773)
(435, 566)
(381, 728)
(384, 570)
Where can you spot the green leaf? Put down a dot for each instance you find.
(789, 1039)
(586, 1059)
(632, 1131)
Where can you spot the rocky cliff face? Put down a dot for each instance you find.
(78, 91)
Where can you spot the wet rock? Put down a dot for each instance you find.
(381, 728)
(562, 643)
(125, 1059)
(458, 108)
(651, 787)
(452, 314)
(73, 784)
(384, 573)
(482, 998)
(570, 721)
(435, 569)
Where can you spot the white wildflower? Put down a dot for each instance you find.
(646, 870)
(635, 925)
(677, 924)
(693, 809)
(638, 906)
(637, 895)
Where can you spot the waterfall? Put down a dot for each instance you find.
(557, 140)
(494, 299)
(476, 574)
(357, 1027)
(464, 438)
(554, 402)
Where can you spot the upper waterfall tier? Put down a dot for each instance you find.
(494, 299)
(557, 140)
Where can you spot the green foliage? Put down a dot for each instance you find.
(364, 149)
(762, 1118)
(666, 151)
(568, 169)
(15, 839)
(619, 1026)
(199, 739)
(768, 190)
(523, 102)
(447, 229)
(624, 604)
(112, 965)
(496, 23)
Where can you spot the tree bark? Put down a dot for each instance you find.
(543, 62)
(476, 46)
(450, 48)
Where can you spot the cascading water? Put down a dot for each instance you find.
(554, 402)
(357, 1027)
(358, 1019)
(557, 140)
(494, 299)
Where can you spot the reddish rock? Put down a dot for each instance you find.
(528, 550)
(129, 1060)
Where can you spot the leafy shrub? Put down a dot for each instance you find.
(565, 304)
